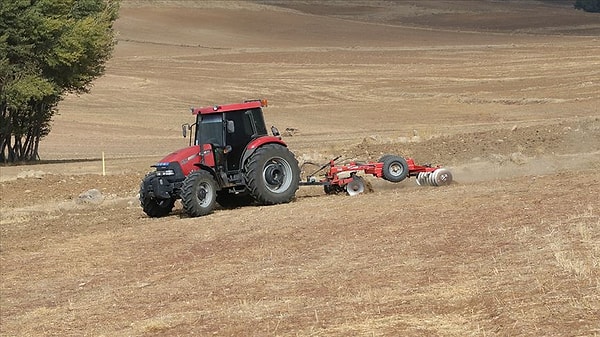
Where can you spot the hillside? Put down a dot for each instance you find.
(506, 94)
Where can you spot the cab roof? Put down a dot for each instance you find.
(252, 104)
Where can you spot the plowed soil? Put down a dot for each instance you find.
(506, 94)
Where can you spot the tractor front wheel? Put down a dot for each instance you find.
(152, 206)
(199, 193)
(272, 174)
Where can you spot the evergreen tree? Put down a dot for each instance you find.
(48, 48)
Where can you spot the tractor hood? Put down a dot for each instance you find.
(185, 157)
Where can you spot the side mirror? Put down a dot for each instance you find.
(184, 128)
(275, 131)
(230, 126)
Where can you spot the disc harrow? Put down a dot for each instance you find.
(346, 178)
(438, 177)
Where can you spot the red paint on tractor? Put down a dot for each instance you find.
(207, 156)
(187, 157)
(258, 142)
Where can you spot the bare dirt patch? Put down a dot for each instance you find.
(511, 248)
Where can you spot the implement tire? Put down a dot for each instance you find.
(395, 168)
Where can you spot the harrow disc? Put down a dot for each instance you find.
(356, 186)
(439, 177)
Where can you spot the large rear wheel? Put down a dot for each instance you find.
(152, 206)
(272, 174)
(199, 193)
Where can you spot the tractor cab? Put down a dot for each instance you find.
(225, 132)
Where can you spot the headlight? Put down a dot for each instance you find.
(165, 173)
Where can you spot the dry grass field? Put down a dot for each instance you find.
(504, 93)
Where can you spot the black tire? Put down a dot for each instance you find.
(384, 157)
(230, 200)
(395, 169)
(199, 193)
(153, 207)
(272, 174)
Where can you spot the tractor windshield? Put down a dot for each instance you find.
(210, 130)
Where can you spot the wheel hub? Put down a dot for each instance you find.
(396, 170)
(274, 174)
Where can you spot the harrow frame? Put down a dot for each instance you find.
(345, 177)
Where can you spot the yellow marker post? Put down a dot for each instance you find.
(103, 165)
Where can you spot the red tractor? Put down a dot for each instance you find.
(233, 162)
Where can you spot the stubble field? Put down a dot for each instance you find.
(506, 94)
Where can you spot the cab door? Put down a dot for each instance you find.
(243, 133)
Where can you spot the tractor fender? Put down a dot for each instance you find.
(206, 168)
(258, 142)
(221, 180)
